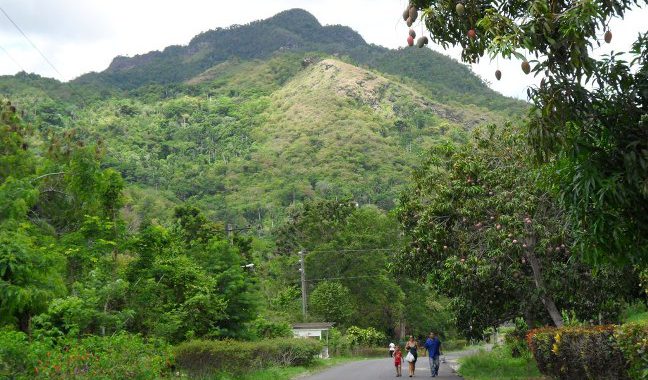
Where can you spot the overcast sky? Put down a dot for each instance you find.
(79, 36)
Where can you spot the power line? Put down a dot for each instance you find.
(340, 278)
(351, 250)
(12, 58)
(32, 44)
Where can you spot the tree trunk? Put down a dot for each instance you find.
(528, 317)
(24, 322)
(546, 299)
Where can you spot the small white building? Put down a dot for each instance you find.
(315, 330)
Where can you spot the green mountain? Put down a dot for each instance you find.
(249, 119)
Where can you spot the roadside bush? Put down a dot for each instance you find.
(632, 340)
(339, 344)
(207, 357)
(365, 337)
(515, 339)
(599, 352)
(262, 328)
(357, 342)
(287, 351)
(17, 356)
(122, 356)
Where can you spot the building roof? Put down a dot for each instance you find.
(313, 326)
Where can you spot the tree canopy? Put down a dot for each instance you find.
(483, 232)
(588, 120)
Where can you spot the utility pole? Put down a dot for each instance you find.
(230, 233)
(302, 269)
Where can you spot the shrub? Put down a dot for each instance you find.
(119, 357)
(365, 337)
(262, 328)
(122, 356)
(599, 352)
(515, 339)
(632, 340)
(339, 344)
(205, 357)
(17, 356)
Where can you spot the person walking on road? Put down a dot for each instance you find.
(398, 361)
(433, 346)
(391, 350)
(412, 347)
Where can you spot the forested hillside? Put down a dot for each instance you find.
(246, 120)
(297, 31)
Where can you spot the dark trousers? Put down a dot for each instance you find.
(434, 365)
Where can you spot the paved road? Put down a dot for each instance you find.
(378, 369)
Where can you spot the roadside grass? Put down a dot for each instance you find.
(638, 318)
(498, 364)
(635, 313)
(284, 373)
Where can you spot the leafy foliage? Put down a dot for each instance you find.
(341, 240)
(600, 352)
(588, 120)
(365, 337)
(484, 232)
(68, 268)
(121, 356)
(204, 357)
(331, 301)
(632, 340)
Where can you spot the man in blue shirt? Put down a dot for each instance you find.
(433, 347)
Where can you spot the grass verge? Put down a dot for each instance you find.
(285, 373)
(498, 364)
(635, 313)
(638, 318)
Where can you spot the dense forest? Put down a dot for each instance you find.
(167, 198)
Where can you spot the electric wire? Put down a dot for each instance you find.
(340, 278)
(349, 250)
(32, 43)
(12, 58)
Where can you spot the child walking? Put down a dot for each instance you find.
(398, 361)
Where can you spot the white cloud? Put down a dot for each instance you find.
(82, 36)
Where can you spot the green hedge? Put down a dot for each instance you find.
(122, 356)
(632, 340)
(599, 352)
(207, 357)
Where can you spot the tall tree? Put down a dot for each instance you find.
(484, 233)
(589, 117)
(331, 301)
(30, 267)
(352, 245)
